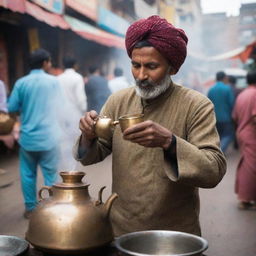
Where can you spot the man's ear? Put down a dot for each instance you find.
(45, 64)
(172, 71)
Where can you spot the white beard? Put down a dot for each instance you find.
(150, 89)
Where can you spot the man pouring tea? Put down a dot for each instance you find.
(159, 164)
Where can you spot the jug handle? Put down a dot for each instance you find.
(49, 189)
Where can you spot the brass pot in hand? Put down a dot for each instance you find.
(104, 125)
(69, 221)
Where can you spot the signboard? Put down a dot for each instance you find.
(86, 7)
(56, 6)
(112, 22)
(167, 12)
(14, 5)
(33, 39)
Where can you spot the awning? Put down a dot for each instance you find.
(227, 55)
(243, 53)
(14, 5)
(83, 29)
(23, 6)
(51, 19)
(90, 32)
(86, 7)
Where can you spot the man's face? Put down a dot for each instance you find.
(151, 72)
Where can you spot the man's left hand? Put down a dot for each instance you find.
(149, 134)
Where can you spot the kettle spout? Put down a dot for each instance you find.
(109, 202)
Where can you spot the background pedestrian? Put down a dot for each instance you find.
(244, 115)
(222, 96)
(36, 96)
(119, 82)
(96, 89)
(72, 84)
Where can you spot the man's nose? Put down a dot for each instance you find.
(142, 75)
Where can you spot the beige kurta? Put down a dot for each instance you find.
(151, 194)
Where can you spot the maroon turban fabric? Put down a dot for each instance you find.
(170, 41)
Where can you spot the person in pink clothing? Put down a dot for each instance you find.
(244, 115)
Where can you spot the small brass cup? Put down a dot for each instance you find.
(127, 121)
(104, 125)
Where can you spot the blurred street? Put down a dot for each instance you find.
(60, 59)
(229, 231)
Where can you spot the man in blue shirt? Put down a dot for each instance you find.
(35, 97)
(96, 89)
(222, 96)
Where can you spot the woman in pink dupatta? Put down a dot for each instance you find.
(244, 115)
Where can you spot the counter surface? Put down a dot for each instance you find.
(105, 251)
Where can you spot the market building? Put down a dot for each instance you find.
(27, 25)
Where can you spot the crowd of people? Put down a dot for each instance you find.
(235, 121)
(49, 108)
(159, 164)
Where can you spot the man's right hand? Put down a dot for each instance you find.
(87, 127)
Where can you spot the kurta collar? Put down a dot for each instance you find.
(36, 71)
(220, 83)
(160, 98)
(69, 70)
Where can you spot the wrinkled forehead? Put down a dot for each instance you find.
(148, 54)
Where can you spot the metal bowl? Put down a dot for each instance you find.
(12, 245)
(160, 242)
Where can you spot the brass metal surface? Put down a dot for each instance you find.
(69, 220)
(104, 126)
(127, 121)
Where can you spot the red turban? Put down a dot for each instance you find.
(170, 41)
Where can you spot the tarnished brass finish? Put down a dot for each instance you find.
(130, 120)
(104, 125)
(69, 221)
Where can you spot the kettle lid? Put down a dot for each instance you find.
(71, 179)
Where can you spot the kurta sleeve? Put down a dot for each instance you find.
(254, 106)
(199, 158)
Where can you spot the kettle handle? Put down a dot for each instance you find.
(49, 189)
(99, 201)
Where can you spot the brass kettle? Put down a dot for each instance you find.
(69, 221)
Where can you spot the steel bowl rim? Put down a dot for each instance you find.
(132, 234)
(25, 244)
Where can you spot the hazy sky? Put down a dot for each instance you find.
(231, 7)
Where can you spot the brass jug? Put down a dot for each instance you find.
(69, 221)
